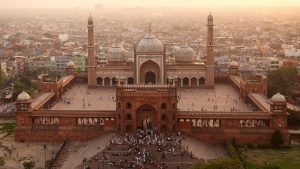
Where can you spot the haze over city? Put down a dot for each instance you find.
(147, 3)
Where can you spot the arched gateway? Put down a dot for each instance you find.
(146, 117)
(153, 106)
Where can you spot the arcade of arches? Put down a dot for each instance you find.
(151, 78)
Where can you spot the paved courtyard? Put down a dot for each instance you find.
(80, 150)
(79, 97)
(222, 98)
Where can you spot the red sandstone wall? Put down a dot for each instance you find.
(255, 137)
(57, 135)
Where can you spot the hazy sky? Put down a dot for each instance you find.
(147, 3)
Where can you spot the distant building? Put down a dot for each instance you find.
(40, 62)
(61, 62)
(271, 63)
(20, 64)
(101, 58)
(63, 37)
(290, 51)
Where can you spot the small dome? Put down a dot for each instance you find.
(184, 54)
(150, 44)
(233, 64)
(23, 96)
(70, 64)
(278, 98)
(116, 53)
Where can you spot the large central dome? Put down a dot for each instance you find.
(150, 44)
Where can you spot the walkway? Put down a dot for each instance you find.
(79, 151)
(202, 150)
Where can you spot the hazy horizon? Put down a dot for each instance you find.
(146, 3)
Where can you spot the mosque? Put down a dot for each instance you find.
(150, 63)
(152, 92)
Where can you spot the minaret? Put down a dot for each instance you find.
(91, 54)
(210, 66)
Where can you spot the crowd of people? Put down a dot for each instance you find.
(145, 149)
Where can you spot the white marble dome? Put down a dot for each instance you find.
(278, 98)
(184, 54)
(70, 64)
(116, 53)
(23, 96)
(150, 44)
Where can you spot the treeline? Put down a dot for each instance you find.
(284, 80)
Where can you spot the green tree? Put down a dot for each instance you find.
(28, 164)
(8, 128)
(2, 162)
(269, 166)
(293, 118)
(24, 84)
(277, 138)
(220, 163)
(2, 78)
(281, 80)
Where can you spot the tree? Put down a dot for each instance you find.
(277, 138)
(220, 163)
(269, 166)
(281, 80)
(2, 78)
(28, 164)
(24, 84)
(7, 128)
(293, 118)
(2, 162)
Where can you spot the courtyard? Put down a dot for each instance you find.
(222, 98)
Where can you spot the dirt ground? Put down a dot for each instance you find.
(15, 153)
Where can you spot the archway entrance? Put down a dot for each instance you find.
(128, 129)
(149, 73)
(150, 78)
(145, 117)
